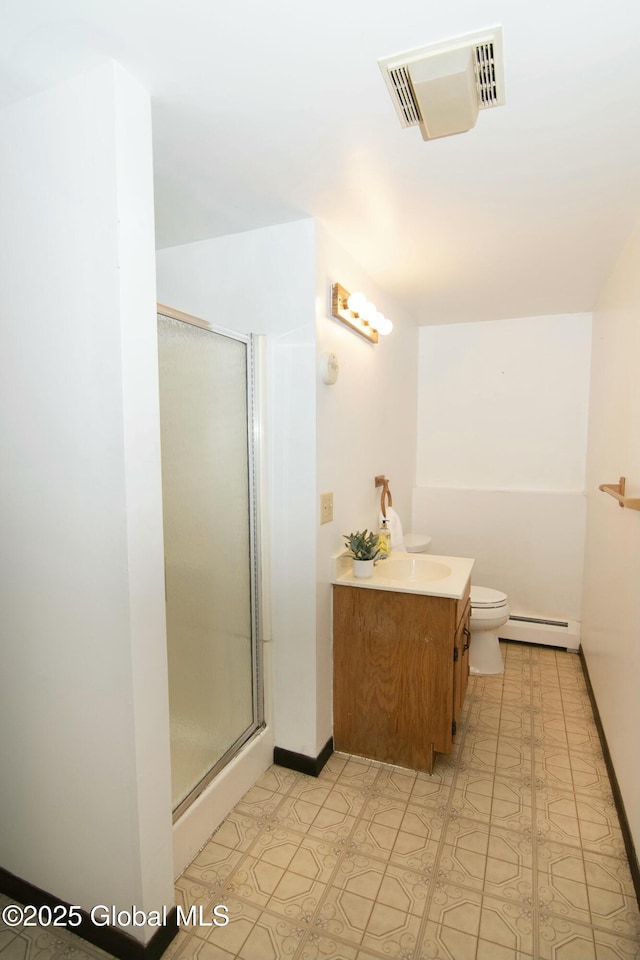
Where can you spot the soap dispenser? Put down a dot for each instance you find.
(384, 540)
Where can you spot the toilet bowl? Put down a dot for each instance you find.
(489, 611)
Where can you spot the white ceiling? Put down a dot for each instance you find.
(268, 112)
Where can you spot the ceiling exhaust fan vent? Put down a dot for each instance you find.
(406, 103)
(485, 69)
(459, 77)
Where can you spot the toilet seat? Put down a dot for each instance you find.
(485, 598)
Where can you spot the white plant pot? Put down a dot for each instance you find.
(363, 569)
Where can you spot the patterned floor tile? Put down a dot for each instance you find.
(430, 790)
(463, 834)
(199, 949)
(582, 740)
(315, 859)
(232, 937)
(333, 767)
(37, 943)
(276, 846)
(312, 790)
(179, 946)
(391, 932)
(345, 915)
(611, 946)
(346, 799)
(384, 811)
(470, 806)
(510, 925)
(551, 730)
(320, 947)
(454, 906)
(611, 910)
(561, 939)
(360, 875)
(296, 897)
(563, 897)
(237, 832)
(191, 893)
(374, 839)
(510, 850)
(272, 938)
(396, 783)
(480, 752)
(555, 826)
(588, 771)
(415, 852)
(464, 867)
(510, 845)
(424, 820)
(496, 951)
(605, 839)
(214, 864)
(296, 813)
(259, 802)
(255, 881)
(358, 773)
(441, 942)
(404, 889)
(597, 809)
(608, 873)
(280, 780)
(513, 758)
(509, 880)
(331, 825)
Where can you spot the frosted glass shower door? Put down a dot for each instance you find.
(207, 481)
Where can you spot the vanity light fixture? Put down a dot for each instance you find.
(358, 313)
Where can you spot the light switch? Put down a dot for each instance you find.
(326, 507)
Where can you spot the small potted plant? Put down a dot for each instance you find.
(364, 550)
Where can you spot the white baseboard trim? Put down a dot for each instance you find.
(530, 631)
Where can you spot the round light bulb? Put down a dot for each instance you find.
(356, 302)
(369, 312)
(377, 320)
(385, 327)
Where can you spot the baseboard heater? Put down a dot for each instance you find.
(550, 633)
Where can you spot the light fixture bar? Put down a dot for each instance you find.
(340, 311)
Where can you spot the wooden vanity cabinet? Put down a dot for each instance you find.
(397, 689)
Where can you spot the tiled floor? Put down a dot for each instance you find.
(510, 850)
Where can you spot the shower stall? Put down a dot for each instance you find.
(209, 489)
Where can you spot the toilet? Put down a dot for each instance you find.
(489, 611)
(417, 542)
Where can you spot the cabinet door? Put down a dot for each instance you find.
(393, 675)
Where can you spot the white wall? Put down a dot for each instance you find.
(276, 281)
(262, 282)
(611, 619)
(502, 421)
(85, 787)
(366, 426)
(502, 404)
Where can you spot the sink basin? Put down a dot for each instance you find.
(408, 568)
(426, 574)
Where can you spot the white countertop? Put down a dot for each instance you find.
(424, 573)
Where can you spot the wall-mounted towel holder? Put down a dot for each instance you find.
(381, 481)
(616, 490)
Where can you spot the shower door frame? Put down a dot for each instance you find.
(253, 453)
